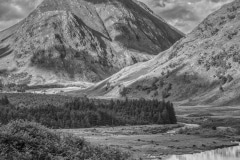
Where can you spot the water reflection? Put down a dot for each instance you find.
(232, 153)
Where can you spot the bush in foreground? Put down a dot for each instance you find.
(23, 140)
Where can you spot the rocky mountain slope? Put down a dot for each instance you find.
(203, 68)
(81, 40)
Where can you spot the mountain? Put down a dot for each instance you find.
(81, 40)
(203, 68)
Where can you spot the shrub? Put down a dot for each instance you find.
(155, 93)
(1, 84)
(223, 79)
(161, 83)
(4, 100)
(221, 88)
(124, 91)
(231, 16)
(229, 78)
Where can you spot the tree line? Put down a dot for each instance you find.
(84, 113)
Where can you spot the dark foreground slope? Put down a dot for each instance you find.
(201, 68)
(81, 40)
(30, 141)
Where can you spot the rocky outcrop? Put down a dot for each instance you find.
(81, 40)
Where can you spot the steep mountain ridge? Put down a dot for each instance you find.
(202, 68)
(81, 40)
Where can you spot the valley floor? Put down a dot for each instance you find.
(151, 141)
(148, 141)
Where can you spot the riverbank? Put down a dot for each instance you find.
(150, 140)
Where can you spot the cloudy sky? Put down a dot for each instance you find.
(12, 11)
(183, 14)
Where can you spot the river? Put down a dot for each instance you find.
(231, 153)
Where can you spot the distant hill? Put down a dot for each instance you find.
(81, 40)
(203, 68)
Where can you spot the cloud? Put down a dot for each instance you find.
(12, 11)
(184, 14)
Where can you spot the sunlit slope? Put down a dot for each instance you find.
(202, 68)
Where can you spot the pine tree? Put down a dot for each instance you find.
(1, 85)
(171, 113)
(165, 116)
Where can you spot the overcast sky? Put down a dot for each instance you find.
(183, 14)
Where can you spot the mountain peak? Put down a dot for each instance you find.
(81, 40)
(79, 8)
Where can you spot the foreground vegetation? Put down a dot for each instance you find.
(23, 140)
(83, 113)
